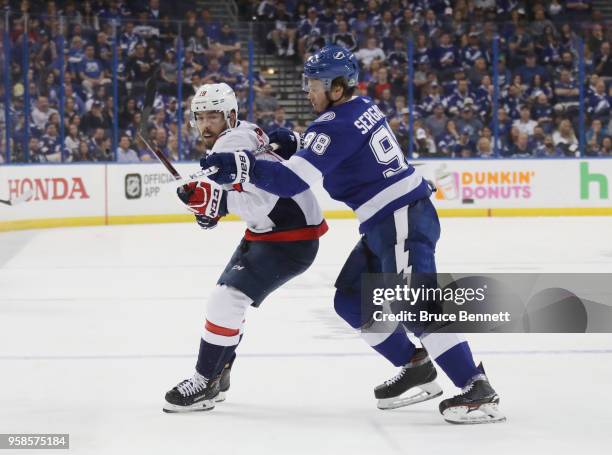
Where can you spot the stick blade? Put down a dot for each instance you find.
(23, 197)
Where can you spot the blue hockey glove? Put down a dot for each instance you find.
(233, 167)
(289, 141)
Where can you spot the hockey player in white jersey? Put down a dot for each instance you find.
(280, 243)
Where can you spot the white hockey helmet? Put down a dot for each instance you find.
(215, 98)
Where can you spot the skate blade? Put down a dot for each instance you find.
(205, 405)
(219, 398)
(417, 394)
(463, 415)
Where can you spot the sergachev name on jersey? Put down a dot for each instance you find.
(368, 119)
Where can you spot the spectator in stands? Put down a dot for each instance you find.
(594, 137)
(368, 54)
(596, 38)
(446, 57)
(566, 93)
(568, 63)
(306, 28)
(425, 147)
(436, 122)
(400, 133)
(50, 145)
(448, 140)
(606, 147)
(199, 43)
(531, 69)
(359, 25)
(211, 26)
(477, 71)
(520, 45)
(543, 113)
(42, 112)
(284, 33)
(100, 146)
(91, 71)
(603, 61)
(72, 141)
(521, 148)
(125, 154)
(540, 23)
(468, 122)
(484, 148)
(379, 83)
(548, 149)
(34, 146)
(472, 53)
(279, 121)
(538, 87)
(265, 104)
(191, 68)
(465, 146)
(565, 138)
(128, 39)
(599, 103)
(215, 73)
(525, 124)
(140, 68)
(227, 40)
(94, 119)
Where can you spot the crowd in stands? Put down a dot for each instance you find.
(148, 34)
(538, 69)
(538, 72)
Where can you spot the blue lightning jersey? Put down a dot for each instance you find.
(352, 148)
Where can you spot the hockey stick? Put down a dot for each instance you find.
(149, 99)
(19, 199)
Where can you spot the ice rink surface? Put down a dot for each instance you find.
(96, 324)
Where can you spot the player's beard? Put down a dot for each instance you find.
(209, 141)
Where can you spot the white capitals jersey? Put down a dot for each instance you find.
(268, 216)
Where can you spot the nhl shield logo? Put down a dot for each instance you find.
(133, 186)
(339, 55)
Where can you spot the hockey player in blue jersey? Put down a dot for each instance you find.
(351, 148)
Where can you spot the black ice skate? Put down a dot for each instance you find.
(194, 394)
(224, 380)
(415, 382)
(477, 403)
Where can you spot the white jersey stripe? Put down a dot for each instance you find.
(303, 169)
(438, 343)
(369, 208)
(401, 229)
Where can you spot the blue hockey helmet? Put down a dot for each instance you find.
(329, 63)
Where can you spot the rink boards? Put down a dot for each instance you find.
(99, 194)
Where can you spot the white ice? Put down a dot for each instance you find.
(96, 324)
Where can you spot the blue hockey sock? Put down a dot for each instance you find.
(458, 364)
(397, 348)
(212, 358)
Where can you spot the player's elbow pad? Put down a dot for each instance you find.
(277, 179)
